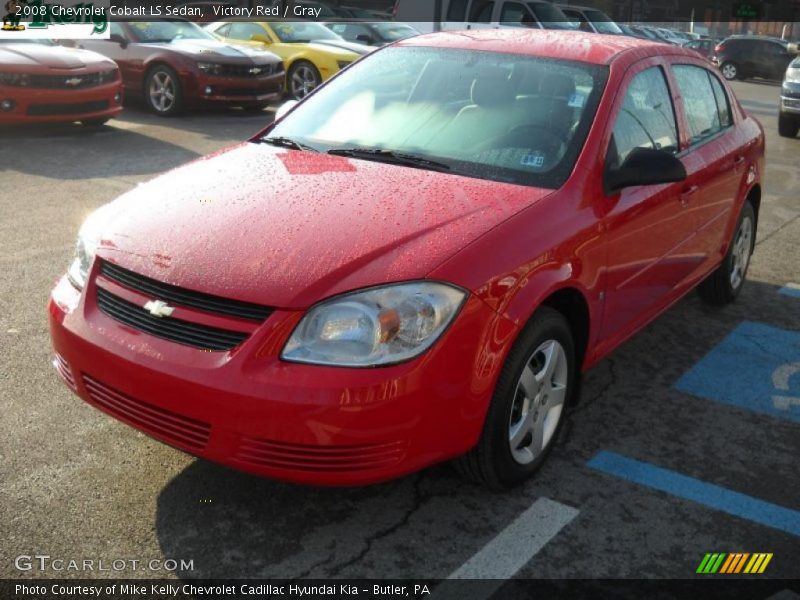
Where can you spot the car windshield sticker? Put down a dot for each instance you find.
(576, 100)
(533, 159)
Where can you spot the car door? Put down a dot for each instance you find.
(714, 155)
(647, 227)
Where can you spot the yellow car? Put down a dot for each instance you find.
(311, 52)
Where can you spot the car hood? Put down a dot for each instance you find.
(287, 228)
(209, 49)
(359, 49)
(51, 57)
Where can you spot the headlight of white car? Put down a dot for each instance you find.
(793, 75)
(377, 326)
(88, 239)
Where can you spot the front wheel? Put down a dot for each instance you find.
(528, 406)
(723, 285)
(788, 126)
(729, 71)
(303, 78)
(162, 91)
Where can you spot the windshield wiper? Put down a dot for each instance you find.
(389, 156)
(285, 142)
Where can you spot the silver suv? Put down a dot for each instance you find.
(789, 115)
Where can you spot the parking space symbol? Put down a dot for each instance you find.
(756, 367)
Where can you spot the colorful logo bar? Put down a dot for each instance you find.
(734, 563)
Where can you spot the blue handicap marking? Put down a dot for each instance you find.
(791, 289)
(756, 367)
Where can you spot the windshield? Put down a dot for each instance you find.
(167, 31)
(302, 32)
(391, 33)
(43, 42)
(488, 115)
(551, 16)
(603, 23)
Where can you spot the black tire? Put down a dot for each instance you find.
(302, 69)
(491, 462)
(170, 107)
(719, 288)
(730, 71)
(94, 122)
(788, 126)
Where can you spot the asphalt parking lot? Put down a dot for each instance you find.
(685, 441)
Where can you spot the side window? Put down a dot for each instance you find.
(577, 17)
(723, 103)
(646, 118)
(514, 13)
(223, 31)
(699, 101)
(481, 11)
(244, 31)
(457, 11)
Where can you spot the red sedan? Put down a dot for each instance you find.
(40, 81)
(416, 262)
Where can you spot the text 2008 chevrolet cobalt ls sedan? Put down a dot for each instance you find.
(415, 263)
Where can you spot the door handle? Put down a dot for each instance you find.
(738, 162)
(687, 194)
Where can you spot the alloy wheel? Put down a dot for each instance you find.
(162, 91)
(741, 252)
(304, 81)
(538, 402)
(729, 71)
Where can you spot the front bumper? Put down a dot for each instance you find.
(790, 98)
(49, 105)
(208, 90)
(251, 411)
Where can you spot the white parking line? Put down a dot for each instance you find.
(513, 547)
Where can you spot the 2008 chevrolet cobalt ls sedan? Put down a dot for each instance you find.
(416, 262)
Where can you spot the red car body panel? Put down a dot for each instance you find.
(313, 225)
(60, 91)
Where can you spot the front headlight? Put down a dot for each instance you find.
(378, 326)
(89, 236)
(793, 75)
(210, 68)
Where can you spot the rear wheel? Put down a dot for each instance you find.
(729, 71)
(788, 126)
(724, 284)
(528, 406)
(162, 91)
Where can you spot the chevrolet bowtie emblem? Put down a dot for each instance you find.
(158, 308)
(73, 81)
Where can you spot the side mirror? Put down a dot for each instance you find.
(364, 39)
(117, 38)
(284, 108)
(645, 166)
(258, 37)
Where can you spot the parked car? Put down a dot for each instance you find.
(41, 81)
(631, 32)
(704, 47)
(173, 65)
(415, 262)
(591, 19)
(649, 33)
(373, 34)
(741, 57)
(482, 14)
(311, 52)
(789, 115)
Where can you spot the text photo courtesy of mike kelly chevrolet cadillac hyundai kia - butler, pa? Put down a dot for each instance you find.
(400, 298)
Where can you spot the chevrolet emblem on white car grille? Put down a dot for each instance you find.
(159, 308)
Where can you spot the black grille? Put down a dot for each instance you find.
(184, 297)
(67, 109)
(175, 330)
(58, 82)
(249, 71)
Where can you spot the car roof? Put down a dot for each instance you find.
(578, 46)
